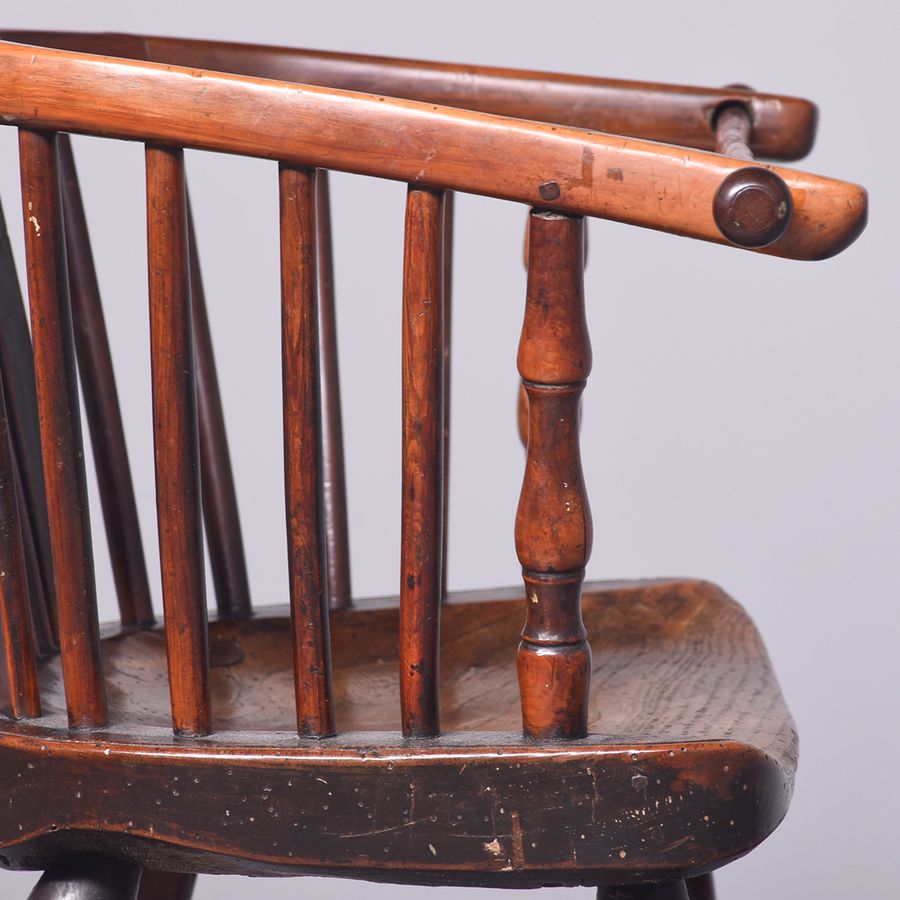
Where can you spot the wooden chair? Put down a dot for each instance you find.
(645, 742)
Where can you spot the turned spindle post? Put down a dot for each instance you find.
(553, 523)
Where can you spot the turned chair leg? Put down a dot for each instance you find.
(665, 890)
(88, 878)
(701, 888)
(166, 885)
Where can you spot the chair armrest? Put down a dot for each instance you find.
(574, 171)
(783, 127)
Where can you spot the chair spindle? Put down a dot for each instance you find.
(60, 425)
(175, 434)
(17, 374)
(449, 209)
(15, 621)
(101, 401)
(553, 522)
(753, 206)
(220, 510)
(302, 452)
(334, 485)
(423, 465)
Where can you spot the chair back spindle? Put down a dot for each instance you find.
(17, 375)
(421, 525)
(175, 433)
(307, 570)
(98, 387)
(20, 656)
(553, 522)
(334, 487)
(60, 424)
(220, 509)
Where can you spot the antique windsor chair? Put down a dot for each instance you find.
(646, 742)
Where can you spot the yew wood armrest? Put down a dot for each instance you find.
(569, 170)
(783, 127)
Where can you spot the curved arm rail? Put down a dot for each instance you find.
(569, 170)
(783, 127)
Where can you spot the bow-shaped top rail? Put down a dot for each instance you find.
(660, 186)
(783, 127)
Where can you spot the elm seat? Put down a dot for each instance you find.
(688, 733)
(630, 736)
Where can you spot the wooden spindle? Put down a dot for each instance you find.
(175, 435)
(733, 128)
(423, 468)
(302, 452)
(553, 523)
(101, 401)
(220, 508)
(17, 374)
(449, 204)
(15, 622)
(334, 486)
(60, 425)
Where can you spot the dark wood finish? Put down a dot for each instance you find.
(701, 888)
(447, 288)
(666, 890)
(334, 486)
(16, 633)
(784, 127)
(220, 509)
(101, 402)
(60, 424)
(628, 180)
(733, 127)
(17, 374)
(553, 522)
(687, 725)
(421, 528)
(302, 452)
(166, 885)
(175, 435)
(753, 207)
(88, 878)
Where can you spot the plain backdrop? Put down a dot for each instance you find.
(741, 422)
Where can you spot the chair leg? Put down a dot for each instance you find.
(701, 888)
(664, 890)
(166, 885)
(88, 878)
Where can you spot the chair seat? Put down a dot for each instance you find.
(690, 764)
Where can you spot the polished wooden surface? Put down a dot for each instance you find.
(422, 516)
(302, 452)
(176, 442)
(16, 632)
(553, 521)
(61, 442)
(686, 726)
(784, 127)
(569, 170)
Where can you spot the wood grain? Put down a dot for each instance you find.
(784, 127)
(334, 486)
(16, 630)
(60, 423)
(681, 691)
(553, 521)
(421, 525)
(569, 170)
(175, 437)
(302, 452)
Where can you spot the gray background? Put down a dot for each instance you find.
(741, 422)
